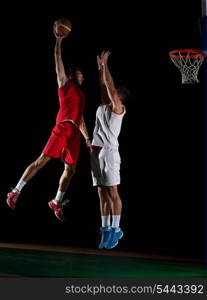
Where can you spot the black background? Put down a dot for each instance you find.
(162, 138)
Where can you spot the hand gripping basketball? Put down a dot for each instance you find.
(62, 27)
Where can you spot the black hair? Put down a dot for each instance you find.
(71, 72)
(124, 92)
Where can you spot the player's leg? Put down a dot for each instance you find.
(113, 194)
(105, 206)
(30, 172)
(69, 146)
(57, 203)
(34, 167)
(116, 207)
(105, 210)
(65, 179)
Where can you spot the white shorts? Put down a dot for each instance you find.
(105, 167)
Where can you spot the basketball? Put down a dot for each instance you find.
(62, 27)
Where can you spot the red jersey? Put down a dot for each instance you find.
(72, 103)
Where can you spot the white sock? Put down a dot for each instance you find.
(116, 220)
(105, 221)
(20, 185)
(59, 196)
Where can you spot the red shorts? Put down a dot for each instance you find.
(64, 142)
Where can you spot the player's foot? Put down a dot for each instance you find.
(57, 208)
(105, 235)
(116, 235)
(12, 198)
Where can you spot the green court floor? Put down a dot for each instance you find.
(36, 263)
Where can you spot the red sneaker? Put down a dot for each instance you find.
(57, 208)
(12, 198)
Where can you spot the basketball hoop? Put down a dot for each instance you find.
(188, 61)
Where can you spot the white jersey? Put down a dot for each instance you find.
(107, 127)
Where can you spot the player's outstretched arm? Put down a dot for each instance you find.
(111, 90)
(59, 66)
(104, 95)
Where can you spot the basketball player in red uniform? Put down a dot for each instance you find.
(64, 141)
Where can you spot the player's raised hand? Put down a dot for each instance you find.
(105, 56)
(60, 37)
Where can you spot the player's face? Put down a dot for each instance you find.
(79, 77)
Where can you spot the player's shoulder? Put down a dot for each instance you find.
(102, 107)
(67, 84)
(119, 110)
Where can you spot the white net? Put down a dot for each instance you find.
(188, 63)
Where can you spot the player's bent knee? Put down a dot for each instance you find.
(101, 190)
(113, 192)
(69, 169)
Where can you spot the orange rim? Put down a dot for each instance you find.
(192, 53)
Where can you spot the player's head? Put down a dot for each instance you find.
(75, 74)
(123, 93)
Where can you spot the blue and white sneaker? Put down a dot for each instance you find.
(115, 235)
(105, 235)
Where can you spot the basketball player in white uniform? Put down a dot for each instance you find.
(105, 158)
